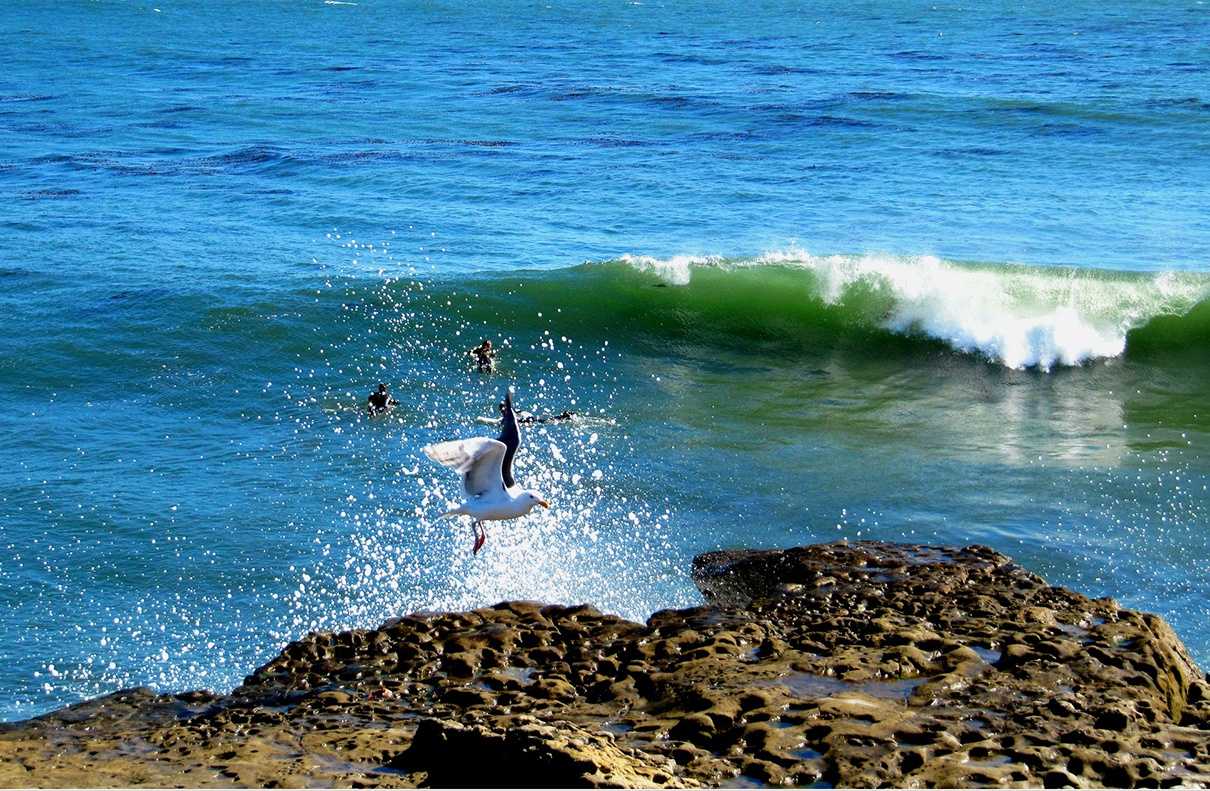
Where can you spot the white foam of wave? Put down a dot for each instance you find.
(676, 270)
(1018, 316)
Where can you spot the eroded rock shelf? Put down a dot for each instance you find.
(832, 665)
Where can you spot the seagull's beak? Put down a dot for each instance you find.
(544, 504)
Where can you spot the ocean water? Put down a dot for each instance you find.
(918, 271)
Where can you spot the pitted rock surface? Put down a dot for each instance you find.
(859, 664)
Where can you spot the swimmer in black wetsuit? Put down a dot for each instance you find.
(485, 357)
(380, 402)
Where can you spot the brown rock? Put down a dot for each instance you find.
(850, 664)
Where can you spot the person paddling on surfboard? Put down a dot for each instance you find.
(526, 417)
(380, 401)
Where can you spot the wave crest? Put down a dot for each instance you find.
(1018, 316)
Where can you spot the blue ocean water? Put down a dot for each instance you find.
(904, 270)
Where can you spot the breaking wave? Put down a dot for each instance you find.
(1016, 316)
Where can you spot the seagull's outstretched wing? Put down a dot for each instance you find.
(511, 437)
(479, 459)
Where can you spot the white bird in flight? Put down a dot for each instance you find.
(487, 475)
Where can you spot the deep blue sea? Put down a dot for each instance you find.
(925, 271)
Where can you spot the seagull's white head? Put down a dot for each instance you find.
(531, 498)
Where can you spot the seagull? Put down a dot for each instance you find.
(486, 465)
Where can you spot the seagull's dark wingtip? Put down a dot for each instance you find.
(510, 435)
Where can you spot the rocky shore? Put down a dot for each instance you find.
(860, 664)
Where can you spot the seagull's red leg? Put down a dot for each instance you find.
(480, 537)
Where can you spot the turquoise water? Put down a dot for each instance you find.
(893, 270)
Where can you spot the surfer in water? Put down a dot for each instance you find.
(526, 417)
(564, 415)
(380, 401)
(485, 357)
